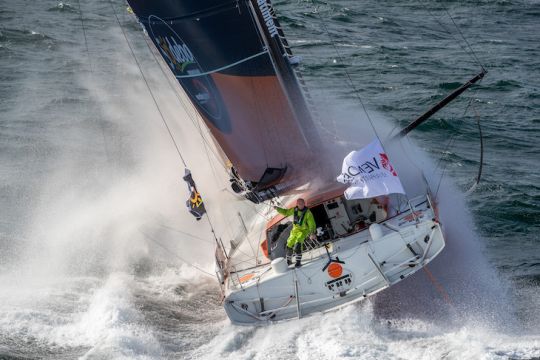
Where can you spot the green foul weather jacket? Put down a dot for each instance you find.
(302, 226)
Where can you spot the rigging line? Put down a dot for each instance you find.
(147, 84)
(157, 107)
(355, 91)
(84, 33)
(252, 206)
(472, 55)
(176, 255)
(259, 248)
(450, 141)
(438, 286)
(187, 234)
(91, 66)
(234, 267)
(212, 228)
(260, 213)
(442, 174)
(212, 167)
(452, 138)
(221, 68)
(159, 110)
(316, 106)
(444, 152)
(189, 108)
(236, 248)
(464, 39)
(246, 232)
(214, 171)
(469, 105)
(480, 167)
(406, 152)
(206, 148)
(481, 160)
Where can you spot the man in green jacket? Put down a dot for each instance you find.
(303, 226)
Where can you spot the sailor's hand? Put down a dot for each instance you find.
(313, 237)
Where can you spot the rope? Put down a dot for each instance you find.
(177, 256)
(480, 167)
(351, 83)
(438, 286)
(464, 39)
(84, 33)
(471, 53)
(355, 90)
(91, 66)
(450, 143)
(207, 147)
(196, 124)
(193, 120)
(158, 109)
(445, 151)
(147, 84)
(187, 234)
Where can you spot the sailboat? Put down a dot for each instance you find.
(234, 64)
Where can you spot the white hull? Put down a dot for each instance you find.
(373, 261)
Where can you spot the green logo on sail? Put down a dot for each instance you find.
(177, 55)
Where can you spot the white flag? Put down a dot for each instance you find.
(370, 173)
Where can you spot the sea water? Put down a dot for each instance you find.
(89, 178)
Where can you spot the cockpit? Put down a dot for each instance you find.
(335, 218)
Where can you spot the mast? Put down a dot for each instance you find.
(271, 34)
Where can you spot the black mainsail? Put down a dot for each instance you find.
(230, 59)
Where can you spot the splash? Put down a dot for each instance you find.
(461, 284)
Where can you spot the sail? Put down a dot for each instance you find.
(229, 59)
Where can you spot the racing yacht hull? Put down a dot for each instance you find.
(350, 269)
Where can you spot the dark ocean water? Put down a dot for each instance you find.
(403, 60)
(75, 134)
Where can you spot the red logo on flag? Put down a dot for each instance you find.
(386, 164)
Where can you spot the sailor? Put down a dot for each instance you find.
(303, 226)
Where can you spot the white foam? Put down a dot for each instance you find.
(355, 333)
(103, 319)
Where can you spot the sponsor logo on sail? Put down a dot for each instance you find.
(268, 18)
(182, 61)
(178, 56)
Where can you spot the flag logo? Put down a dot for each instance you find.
(370, 173)
(386, 164)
